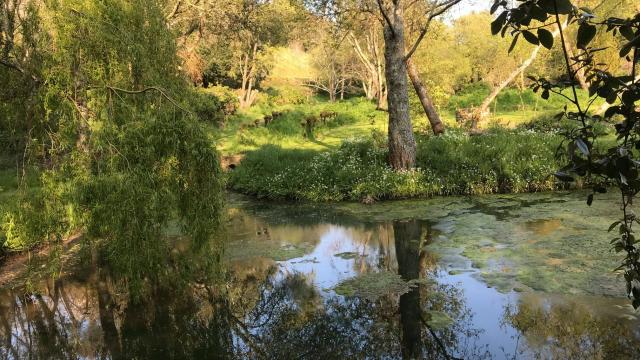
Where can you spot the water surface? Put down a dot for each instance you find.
(526, 276)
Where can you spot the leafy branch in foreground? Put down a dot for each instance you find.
(618, 165)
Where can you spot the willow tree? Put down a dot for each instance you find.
(124, 156)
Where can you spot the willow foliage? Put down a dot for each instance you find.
(125, 158)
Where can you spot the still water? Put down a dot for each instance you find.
(496, 277)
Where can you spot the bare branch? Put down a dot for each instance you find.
(149, 88)
(435, 11)
(175, 9)
(19, 69)
(385, 16)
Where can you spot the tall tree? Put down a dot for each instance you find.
(402, 146)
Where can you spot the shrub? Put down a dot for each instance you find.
(214, 104)
(207, 107)
(456, 163)
(498, 161)
(548, 123)
(288, 95)
(227, 97)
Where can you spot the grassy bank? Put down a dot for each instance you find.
(500, 161)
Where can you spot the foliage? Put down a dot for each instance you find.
(456, 163)
(289, 94)
(124, 154)
(618, 164)
(509, 100)
(214, 105)
(549, 122)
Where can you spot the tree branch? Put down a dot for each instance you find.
(175, 9)
(18, 69)
(434, 12)
(386, 17)
(149, 88)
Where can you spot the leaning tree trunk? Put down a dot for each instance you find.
(427, 104)
(483, 111)
(402, 144)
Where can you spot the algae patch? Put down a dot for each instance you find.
(372, 286)
(347, 255)
(438, 320)
(241, 250)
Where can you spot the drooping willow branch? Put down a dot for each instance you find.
(142, 91)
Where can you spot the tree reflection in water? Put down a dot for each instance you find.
(263, 311)
(570, 330)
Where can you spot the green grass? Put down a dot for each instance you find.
(356, 118)
(501, 161)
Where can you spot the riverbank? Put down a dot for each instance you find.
(499, 161)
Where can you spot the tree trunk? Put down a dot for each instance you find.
(248, 69)
(483, 111)
(427, 104)
(402, 144)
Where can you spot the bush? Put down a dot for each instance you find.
(288, 95)
(498, 161)
(207, 107)
(214, 104)
(227, 97)
(456, 163)
(548, 123)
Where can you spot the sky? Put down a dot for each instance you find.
(469, 6)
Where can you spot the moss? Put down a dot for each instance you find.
(546, 242)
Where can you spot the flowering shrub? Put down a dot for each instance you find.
(454, 164)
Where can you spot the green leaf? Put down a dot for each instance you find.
(538, 13)
(545, 37)
(564, 6)
(582, 145)
(627, 32)
(628, 46)
(545, 94)
(586, 33)
(514, 42)
(498, 23)
(562, 176)
(530, 37)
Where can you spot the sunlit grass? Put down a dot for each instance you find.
(358, 117)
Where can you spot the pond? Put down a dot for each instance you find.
(509, 276)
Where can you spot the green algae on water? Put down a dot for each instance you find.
(347, 255)
(372, 286)
(241, 250)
